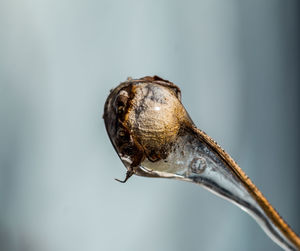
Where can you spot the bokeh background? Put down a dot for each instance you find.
(237, 64)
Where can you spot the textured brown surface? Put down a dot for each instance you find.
(143, 117)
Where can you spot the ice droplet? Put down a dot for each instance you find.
(198, 165)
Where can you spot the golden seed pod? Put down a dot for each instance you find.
(143, 117)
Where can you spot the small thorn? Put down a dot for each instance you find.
(128, 175)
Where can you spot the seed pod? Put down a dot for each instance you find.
(143, 118)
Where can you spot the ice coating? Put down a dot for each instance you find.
(192, 160)
(155, 137)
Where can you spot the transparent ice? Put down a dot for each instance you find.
(192, 160)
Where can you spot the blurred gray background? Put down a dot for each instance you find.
(237, 64)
